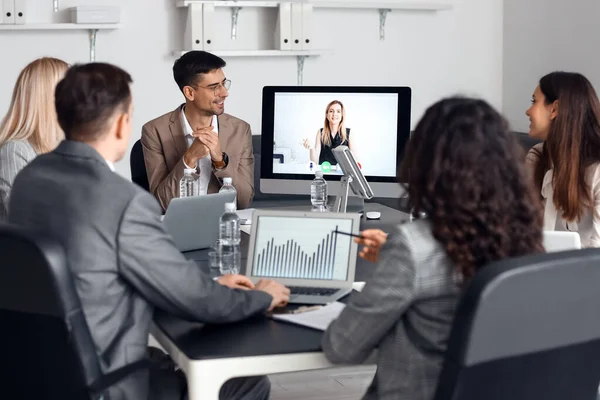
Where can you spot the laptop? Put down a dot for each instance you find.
(561, 241)
(302, 251)
(193, 222)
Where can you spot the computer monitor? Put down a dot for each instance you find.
(297, 137)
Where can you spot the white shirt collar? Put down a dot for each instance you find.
(110, 165)
(187, 128)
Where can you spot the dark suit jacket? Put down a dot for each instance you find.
(164, 145)
(123, 261)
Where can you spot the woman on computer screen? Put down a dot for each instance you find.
(333, 134)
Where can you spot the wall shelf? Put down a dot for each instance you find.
(392, 5)
(57, 27)
(300, 55)
(186, 3)
(262, 53)
(396, 5)
(293, 29)
(92, 28)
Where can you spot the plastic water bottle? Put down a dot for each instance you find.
(229, 237)
(318, 192)
(188, 185)
(228, 187)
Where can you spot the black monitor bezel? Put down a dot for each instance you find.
(268, 121)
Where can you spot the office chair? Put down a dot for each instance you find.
(526, 141)
(138, 167)
(527, 328)
(258, 195)
(46, 350)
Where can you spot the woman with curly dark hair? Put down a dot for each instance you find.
(466, 171)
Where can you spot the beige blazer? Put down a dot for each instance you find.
(164, 145)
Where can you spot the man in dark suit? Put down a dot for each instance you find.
(198, 134)
(123, 261)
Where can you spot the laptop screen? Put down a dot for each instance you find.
(302, 248)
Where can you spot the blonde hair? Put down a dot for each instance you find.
(326, 134)
(32, 114)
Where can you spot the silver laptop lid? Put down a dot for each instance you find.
(299, 248)
(193, 222)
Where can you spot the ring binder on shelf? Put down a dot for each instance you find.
(8, 11)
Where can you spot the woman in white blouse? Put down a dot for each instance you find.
(30, 126)
(565, 114)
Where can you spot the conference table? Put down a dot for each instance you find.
(210, 355)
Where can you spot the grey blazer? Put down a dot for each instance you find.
(14, 155)
(123, 261)
(405, 310)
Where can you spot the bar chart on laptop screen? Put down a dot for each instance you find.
(302, 248)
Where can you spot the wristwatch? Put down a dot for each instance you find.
(221, 164)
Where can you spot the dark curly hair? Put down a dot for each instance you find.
(465, 170)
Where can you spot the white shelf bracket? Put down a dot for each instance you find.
(93, 34)
(383, 12)
(300, 60)
(56, 6)
(235, 13)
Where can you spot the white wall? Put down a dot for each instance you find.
(456, 51)
(541, 36)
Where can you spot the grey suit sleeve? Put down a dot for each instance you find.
(150, 262)
(14, 157)
(370, 314)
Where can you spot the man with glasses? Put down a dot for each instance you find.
(198, 134)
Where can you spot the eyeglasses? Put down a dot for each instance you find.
(226, 84)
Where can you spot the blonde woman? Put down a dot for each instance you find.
(30, 127)
(333, 134)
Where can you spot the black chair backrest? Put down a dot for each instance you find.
(137, 165)
(526, 141)
(527, 328)
(256, 143)
(46, 350)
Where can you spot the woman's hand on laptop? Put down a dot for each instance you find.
(280, 294)
(236, 282)
(372, 239)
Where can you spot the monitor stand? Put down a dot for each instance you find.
(344, 202)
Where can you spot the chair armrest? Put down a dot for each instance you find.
(116, 376)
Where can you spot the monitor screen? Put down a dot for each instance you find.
(302, 126)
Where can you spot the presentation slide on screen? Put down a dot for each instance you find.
(308, 126)
(302, 248)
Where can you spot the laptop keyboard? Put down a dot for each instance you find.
(312, 291)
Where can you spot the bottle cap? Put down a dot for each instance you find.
(319, 174)
(227, 180)
(230, 207)
(189, 171)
